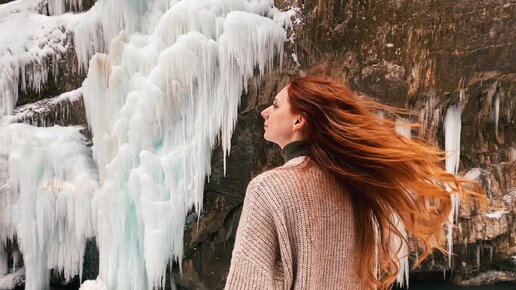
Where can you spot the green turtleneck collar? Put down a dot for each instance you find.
(295, 149)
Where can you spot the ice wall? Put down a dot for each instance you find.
(156, 106)
(46, 199)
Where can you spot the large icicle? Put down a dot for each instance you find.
(47, 200)
(404, 130)
(452, 128)
(156, 105)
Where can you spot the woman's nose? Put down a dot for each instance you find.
(265, 113)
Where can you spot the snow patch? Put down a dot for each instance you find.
(496, 214)
(474, 174)
(94, 285)
(12, 280)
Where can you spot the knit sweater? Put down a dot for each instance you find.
(296, 231)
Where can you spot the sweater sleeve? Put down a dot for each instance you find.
(256, 244)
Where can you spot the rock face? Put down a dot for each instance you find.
(425, 55)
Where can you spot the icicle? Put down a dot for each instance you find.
(106, 19)
(497, 113)
(58, 7)
(512, 154)
(400, 246)
(452, 130)
(16, 258)
(402, 129)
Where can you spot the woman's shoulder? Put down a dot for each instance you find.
(290, 172)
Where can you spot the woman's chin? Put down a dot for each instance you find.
(266, 137)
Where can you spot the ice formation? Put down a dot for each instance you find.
(46, 199)
(401, 247)
(26, 54)
(402, 128)
(12, 280)
(497, 113)
(452, 128)
(58, 7)
(156, 106)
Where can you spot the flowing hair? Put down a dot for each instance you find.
(389, 178)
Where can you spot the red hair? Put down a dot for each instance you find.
(386, 175)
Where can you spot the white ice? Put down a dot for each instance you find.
(497, 113)
(496, 214)
(474, 174)
(25, 53)
(58, 7)
(400, 247)
(46, 199)
(402, 128)
(12, 280)
(452, 129)
(94, 285)
(156, 104)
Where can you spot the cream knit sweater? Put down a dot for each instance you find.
(296, 232)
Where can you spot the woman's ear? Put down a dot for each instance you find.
(299, 123)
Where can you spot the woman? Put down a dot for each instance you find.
(327, 219)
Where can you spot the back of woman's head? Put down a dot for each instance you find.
(389, 177)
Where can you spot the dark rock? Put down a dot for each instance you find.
(90, 268)
(64, 110)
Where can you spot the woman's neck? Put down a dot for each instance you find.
(294, 149)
